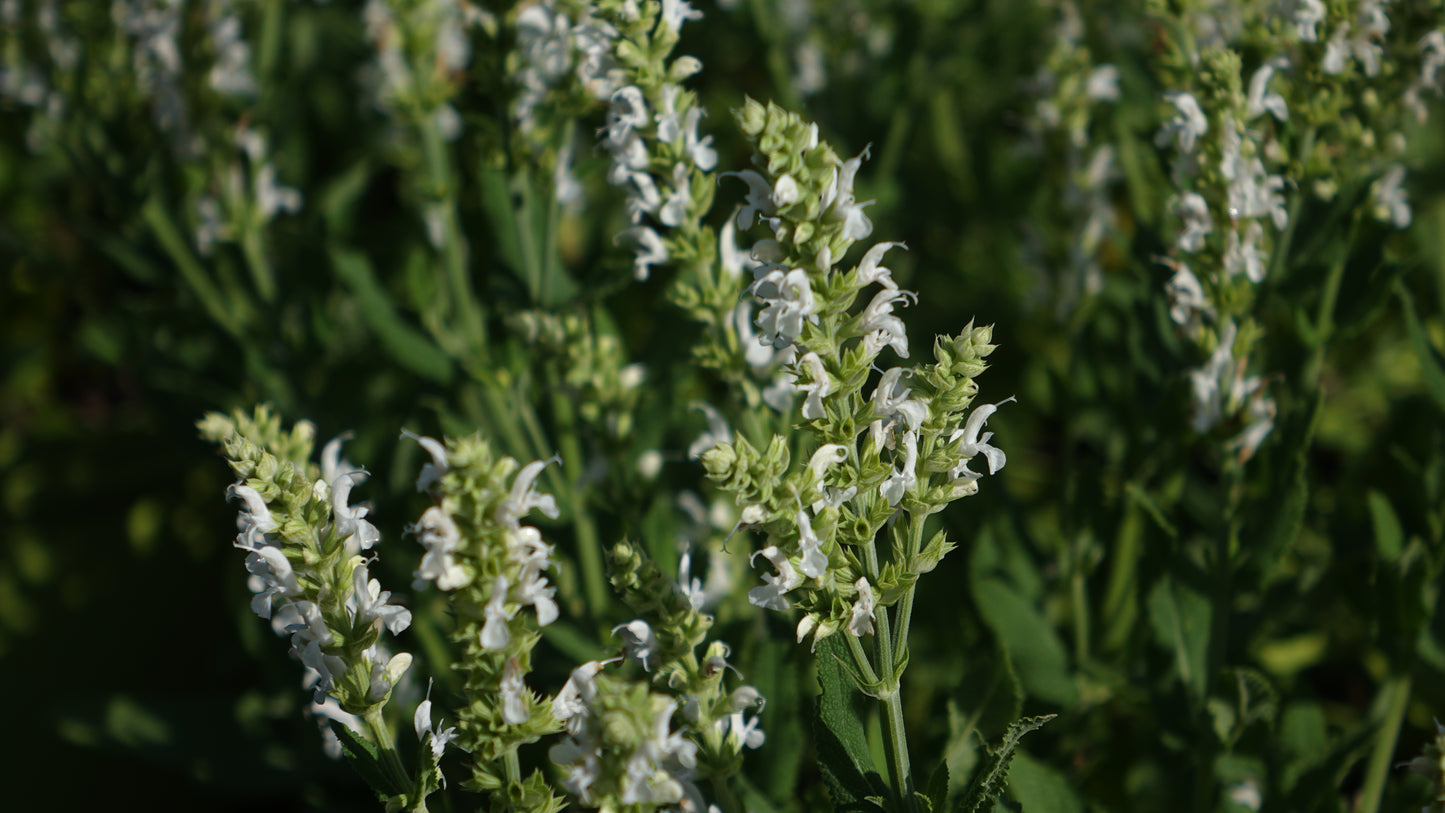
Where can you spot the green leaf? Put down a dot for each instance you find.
(1280, 519)
(1181, 617)
(992, 778)
(407, 345)
(1041, 789)
(843, 754)
(936, 791)
(1389, 537)
(1432, 366)
(364, 757)
(1038, 654)
(338, 199)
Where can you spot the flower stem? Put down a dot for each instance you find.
(1396, 695)
(589, 549)
(385, 744)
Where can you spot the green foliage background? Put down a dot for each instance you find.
(1082, 587)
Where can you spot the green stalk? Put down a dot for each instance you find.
(257, 263)
(1377, 771)
(895, 735)
(385, 743)
(589, 548)
(1281, 248)
(229, 315)
(1324, 325)
(439, 182)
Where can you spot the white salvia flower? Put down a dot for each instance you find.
(272, 579)
(1103, 84)
(820, 385)
(787, 296)
(327, 667)
(642, 196)
(1261, 413)
(902, 480)
(839, 204)
(770, 595)
(385, 672)
(255, 519)
(639, 642)
(674, 210)
(439, 535)
(1307, 17)
(333, 465)
(495, 633)
(1391, 204)
(231, 75)
(703, 594)
(1186, 295)
(426, 734)
(514, 694)
(368, 603)
(871, 270)
(893, 409)
(717, 432)
(351, 524)
(570, 704)
(650, 250)
(860, 622)
(1187, 126)
(271, 197)
(1243, 254)
(432, 472)
(880, 328)
(700, 151)
(814, 562)
(627, 113)
(759, 199)
(1194, 212)
(973, 444)
(1208, 383)
(1261, 99)
(524, 497)
(785, 191)
(1432, 58)
(1252, 192)
(676, 12)
(741, 733)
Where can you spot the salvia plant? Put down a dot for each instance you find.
(658, 331)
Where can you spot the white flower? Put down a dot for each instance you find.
(674, 210)
(643, 197)
(819, 386)
(439, 535)
(1187, 126)
(570, 704)
(676, 12)
(814, 562)
(514, 694)
(870, 269)
(740, 733)
(1243, 254)
(1186, 295)
(350, 523)
(639, 642)
(426, 734)
(385, 672)
(1194, 212)
(839, 204)
(255, 519)
(880, 328)
(368, 603)
(759, 198)
(770, 595)
(904, 479)
(650, 250)
(717, 432)
(1261, 99)
(860, 622)
(627, 113)
(524, 497)
(787, 296)
(893, 409)
(273, 580)
(702, 594)
(1391, 204)
(1307, 17)
(495, 633)
(1210, 381)
(971, 443)
(701, 151)
(1103, 84)
(1252, 192)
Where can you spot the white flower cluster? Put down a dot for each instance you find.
(1252, 202)
(551, 46)
(435, 31)
(527, 556)
(285, 591)
(636, 127)
(237, 205)
(658, 769)
(788, 303)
